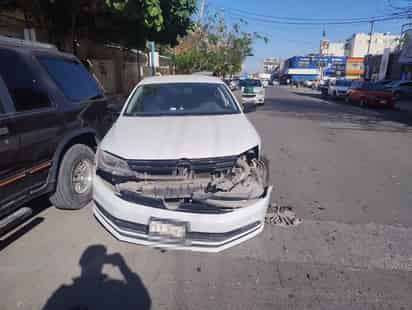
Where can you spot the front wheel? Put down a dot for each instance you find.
(74, 183)
(347, 99)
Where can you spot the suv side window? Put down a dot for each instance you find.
(76, 83)
(23, 86)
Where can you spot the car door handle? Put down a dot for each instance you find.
(4, 131)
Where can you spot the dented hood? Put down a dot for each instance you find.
(178, 137)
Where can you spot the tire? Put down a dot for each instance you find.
(347, 100)
(72, 190)
(363, 102)
(397, 95)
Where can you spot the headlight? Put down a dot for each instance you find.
(253, 153)
(112, 164)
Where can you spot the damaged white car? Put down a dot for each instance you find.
(182, 168)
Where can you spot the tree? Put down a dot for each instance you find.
(127, 22)
(216, 47)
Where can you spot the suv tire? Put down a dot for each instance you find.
(74, 183)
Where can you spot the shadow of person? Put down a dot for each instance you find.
(94, 290)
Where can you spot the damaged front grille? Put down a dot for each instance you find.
(215, 184)
(172, 167)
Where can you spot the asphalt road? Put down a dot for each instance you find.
(345, 170)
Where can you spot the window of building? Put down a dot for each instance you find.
(24, 88)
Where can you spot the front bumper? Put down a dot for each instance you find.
(129, 221)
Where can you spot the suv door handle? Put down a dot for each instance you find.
(4, 131)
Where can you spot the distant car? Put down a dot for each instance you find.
(253, 92)
(339, 88)
(274, 82)
(265, 83)
(307, 83)
(370, 94)
(400, 89)
(324, 87)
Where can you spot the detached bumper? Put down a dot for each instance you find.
(129, 222)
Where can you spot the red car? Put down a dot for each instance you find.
(370, 94)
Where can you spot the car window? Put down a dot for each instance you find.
(343, 83)
(176, 99)
(76, 83)
(251, 82)
(24, 88)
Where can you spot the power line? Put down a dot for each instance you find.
(342, 22)
(320, 20)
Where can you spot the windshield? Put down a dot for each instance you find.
(344, 83)
(176, 99)
(251, 82)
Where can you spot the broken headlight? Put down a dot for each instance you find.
(253, 153)
(112, 164)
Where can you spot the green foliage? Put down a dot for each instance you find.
(127, 22)
(217, 47)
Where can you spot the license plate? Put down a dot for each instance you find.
(167, 229)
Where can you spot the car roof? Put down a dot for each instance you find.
(183, 78)
(29, 47)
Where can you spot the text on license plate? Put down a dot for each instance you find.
(166, 228)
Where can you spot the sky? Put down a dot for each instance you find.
(290, 40)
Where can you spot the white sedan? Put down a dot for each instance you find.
(253, 92)
(182, 167)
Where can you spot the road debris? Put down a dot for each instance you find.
(282, 216)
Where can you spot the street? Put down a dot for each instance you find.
(345, 170)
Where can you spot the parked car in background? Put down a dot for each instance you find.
(52, 116)
(253, 92)
(265, 83)
(308, 83)
(324, 87)
(189, 180)
(370, 94)
(400, 89)
(339, 88)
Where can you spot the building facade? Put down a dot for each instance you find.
(328, 48)
(358, 44)
(270, 65)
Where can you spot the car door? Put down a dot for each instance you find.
(9, 143)
(407, 89)
(35, 122)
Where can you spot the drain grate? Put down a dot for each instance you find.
(282, 216)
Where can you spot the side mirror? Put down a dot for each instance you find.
(249, 107)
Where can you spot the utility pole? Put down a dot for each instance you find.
(201, 11)
(370, 36)
(152, 53)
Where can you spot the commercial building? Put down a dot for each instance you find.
(358, 44)
(270, 65)
(312, 67)
(328, 48)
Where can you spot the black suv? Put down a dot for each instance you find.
(52, 115)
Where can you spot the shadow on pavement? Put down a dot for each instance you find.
(93, 290)
(302, 105)
(23, 229)
(38, 205)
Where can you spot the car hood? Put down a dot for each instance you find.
(180, 137)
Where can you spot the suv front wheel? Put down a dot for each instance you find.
(74, 183)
